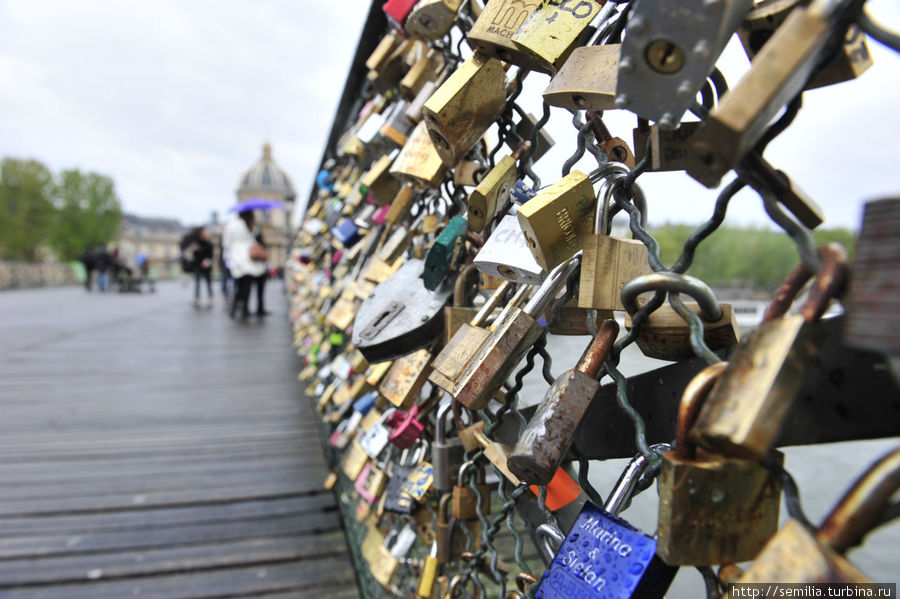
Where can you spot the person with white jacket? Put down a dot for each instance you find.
(237, 239)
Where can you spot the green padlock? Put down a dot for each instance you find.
(440, 256)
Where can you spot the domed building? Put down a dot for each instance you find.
(267, 180)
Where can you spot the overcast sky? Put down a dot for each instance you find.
(174, 100)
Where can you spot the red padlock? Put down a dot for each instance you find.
(405, 427)
(381, 214)
(396, 12)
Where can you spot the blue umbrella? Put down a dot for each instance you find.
(257, 204)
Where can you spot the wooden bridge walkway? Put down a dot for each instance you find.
(148, 449)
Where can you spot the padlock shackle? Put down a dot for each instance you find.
(862, 507)
(829, 283)
(492, 302)
(692, 400)
(672, 282)
(602, 217)
(553, 283)
(598, 351)
(461, 284)
(520, 296)
(440, 434)
(461, 475)
(443, 515)
(624, 487)
(545, 535)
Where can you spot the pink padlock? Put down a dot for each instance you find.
(381, 214)
(336, 257)
(360, 483)
(405, 427)
(396, 12)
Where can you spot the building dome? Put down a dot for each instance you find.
(266, 177)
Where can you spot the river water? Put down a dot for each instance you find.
(822, 472)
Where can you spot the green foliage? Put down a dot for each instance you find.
(87, 213)
(25, 207)
(742, 257)
(67, 213)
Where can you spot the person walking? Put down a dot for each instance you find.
(224, 271)
(90, 263)
(247, 258)
(260, 282)
(203, 256)
(102, 261)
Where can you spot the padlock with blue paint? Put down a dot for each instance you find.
(521, 192)
(346, 232)
(604, 556)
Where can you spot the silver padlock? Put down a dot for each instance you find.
(446, 454)
(414, 110)
(668, 51)
(505, 255)
(374, 440)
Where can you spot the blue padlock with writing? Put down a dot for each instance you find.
(604, 556)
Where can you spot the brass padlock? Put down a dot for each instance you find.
(666, 334)
(849, 62)
(465, 498)
(616, 148)
(544, 442)
(587, 80)
(406, 377)
(425, 68)
(354, 460)
(461, 349)
(557, 219)
(492, 32)
(432, 19)
(796, 554)
(464, 292)
(609, 262)
(428, 576)
(491, 196)
(464, 106)
(380, 183)
(777, 75)
(452, 542)
(747, 407)
(418, 162)
(712, 509)
(373, 540)
(670, 150)
(382, 52)
(548, 36)
(509, 340)
(388, 558)
(401, 204)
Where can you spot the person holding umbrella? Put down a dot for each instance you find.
(247, 258)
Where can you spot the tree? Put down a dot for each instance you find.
(87, 212)
(26, 210)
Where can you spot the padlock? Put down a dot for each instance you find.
(371, 481)
(509, 340)
(395, 245)
(506, 255)
(524, 130)
(462, 348)
(396, 12)
(375, 438)
(669, 51)
(605, 556)
(746, 408)
(397, 126)
(405, 426)
(609, 262)
(562, 490)
(670, 150)
(548, 36)
(464, 106)
(415, 108)
(420, 482)
(849, 62)
(557, 219)
(406, 377)
(341, 314)
(372, 542)
(426, 68)
(379, 57)
(400, 316)
(666, 335)
(440, 257)
(394, 548)
(446, 453)
(340, 437)
(432, 19)
(587, 80)
(379, 182)
(465, 498)
(616, 148)
(428, 577)
(492, 194)
(419, 163)
(799, 555)
(544, 442)
(346, 232)
(465, 289)
(492, 32)
(450, 540)
(712, 509)
(354, 460)
(401, 205)
(394, 499)
(776, 76)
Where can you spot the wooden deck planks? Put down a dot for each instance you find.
(149, 449)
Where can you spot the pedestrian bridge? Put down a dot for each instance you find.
(150, 449)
